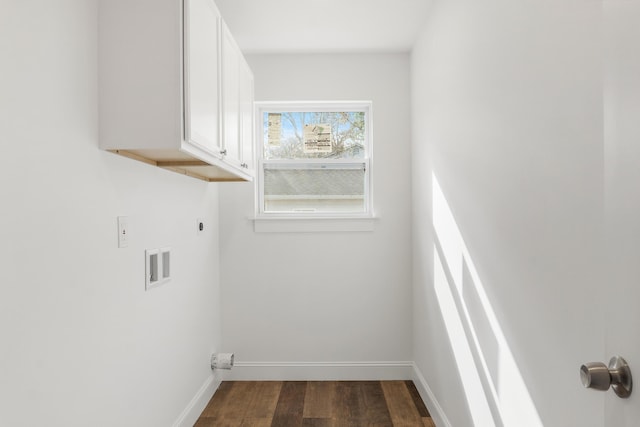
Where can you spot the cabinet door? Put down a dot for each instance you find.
(231, 56)
(246, 114)
(201, 74)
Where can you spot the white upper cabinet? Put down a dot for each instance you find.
(246, 115)
(230, 96)
(202, 74)
(162, 88)
(237, 100)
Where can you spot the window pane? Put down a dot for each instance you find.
(314, 135)
(325, 188)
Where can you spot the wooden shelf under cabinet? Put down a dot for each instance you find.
(181, 163)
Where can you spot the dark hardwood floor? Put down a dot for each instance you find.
(316, 404)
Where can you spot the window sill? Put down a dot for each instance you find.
(293, 224)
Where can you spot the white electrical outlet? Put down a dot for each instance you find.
(123, 231)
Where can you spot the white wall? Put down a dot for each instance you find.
(325, 297)
(82, 343)
(507, 109)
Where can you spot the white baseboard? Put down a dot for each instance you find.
(436, 411)
(192, 412)
(320, 371)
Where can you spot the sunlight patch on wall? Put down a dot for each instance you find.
(471, 383)
(478, 337)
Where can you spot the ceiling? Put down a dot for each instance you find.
(296, 26)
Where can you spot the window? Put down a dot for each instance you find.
(314, 159)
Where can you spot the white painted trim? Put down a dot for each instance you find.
(313, 225)
(321, 371)
(436, 411)
(194, 409)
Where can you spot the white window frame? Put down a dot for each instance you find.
(314, 106)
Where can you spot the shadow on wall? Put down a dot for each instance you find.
(494, 388)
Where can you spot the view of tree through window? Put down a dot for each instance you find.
(347, 132)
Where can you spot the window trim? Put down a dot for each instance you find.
(265, 220)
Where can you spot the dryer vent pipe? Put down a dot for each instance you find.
(222, 361)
